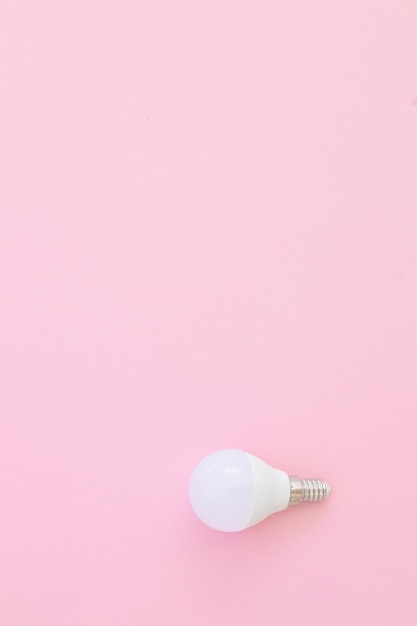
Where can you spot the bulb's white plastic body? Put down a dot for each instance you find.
(231, 490)
(271, 490)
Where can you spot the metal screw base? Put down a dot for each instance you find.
(308, 490)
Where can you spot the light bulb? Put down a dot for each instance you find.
(232, 490)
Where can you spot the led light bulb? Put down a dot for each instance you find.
(231, 490)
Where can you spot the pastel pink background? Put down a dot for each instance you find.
(208, 238)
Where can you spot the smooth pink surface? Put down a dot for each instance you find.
(208, 238)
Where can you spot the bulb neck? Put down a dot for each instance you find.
(308, 490)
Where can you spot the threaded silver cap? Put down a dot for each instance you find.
(308, 490)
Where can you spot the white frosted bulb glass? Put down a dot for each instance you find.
(231, 490)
